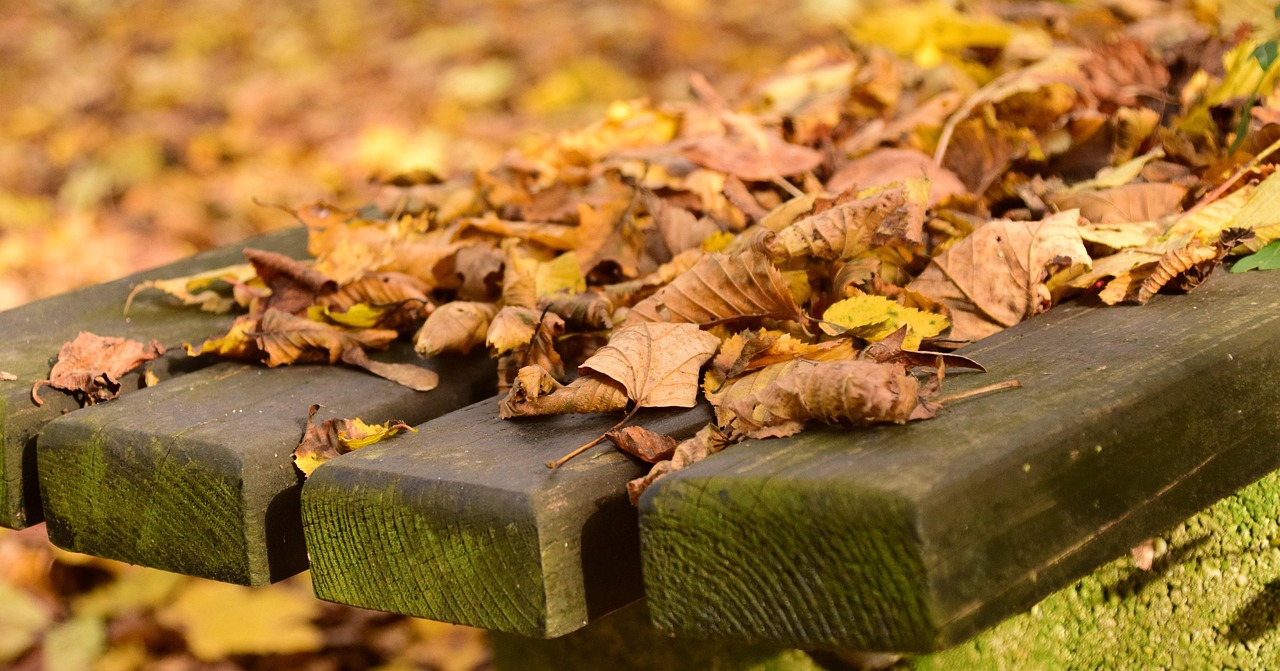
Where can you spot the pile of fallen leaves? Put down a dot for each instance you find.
(942, 176)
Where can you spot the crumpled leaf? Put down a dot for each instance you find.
(718, 288)
(854, 393)
(891, 350)
(93, 365)
(535, 392)
(458, 326)
(751, 350)
(657, 363)
(590, 311)
(287, 339)
(529, 336)
(398, 298)
(1180, 269)
(336, 436)
(876, 317)
(892, 215)
(643, 444)
(294, 285)
(219, 620)
(194, 289)
(996, 277)
(707, 441)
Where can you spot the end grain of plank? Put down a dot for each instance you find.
(33, 333)
(195, 476)
(463, 522)
(913, 538)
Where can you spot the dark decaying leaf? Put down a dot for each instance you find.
(287, 339)
(643, 444)
(93, 365)
(294, 285)
(706, 442)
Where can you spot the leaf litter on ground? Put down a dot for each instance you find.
(822, 238)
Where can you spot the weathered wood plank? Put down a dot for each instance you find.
(196, 476)
(33, 333)
(463, 522)
(913, 538)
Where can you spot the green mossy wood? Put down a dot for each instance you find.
(914, 538)
(463, 522)
(33, 333)
(196, 475)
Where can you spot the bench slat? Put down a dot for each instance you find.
(33, 333)
(195, 475)
(913, 538)
(463, 522)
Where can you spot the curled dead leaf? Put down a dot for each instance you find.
(458, 326)
(893, 215)
(707, 441)
(643, 444)
(294, 285)
(536, 392)
(93, 365)
(334, 437)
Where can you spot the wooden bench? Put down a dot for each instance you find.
(906, 539)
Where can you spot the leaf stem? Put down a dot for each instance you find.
(1007, 384)
(561, 461)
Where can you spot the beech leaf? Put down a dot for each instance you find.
(719, 288)
(892, 215)
(93, 365)
(657, 363)
(996, 277)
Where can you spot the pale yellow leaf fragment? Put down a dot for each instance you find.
(876, 317)
(219, 620)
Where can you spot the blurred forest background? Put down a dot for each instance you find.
(136, 132)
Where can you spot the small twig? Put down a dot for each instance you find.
(561, 461)
(1007, 384)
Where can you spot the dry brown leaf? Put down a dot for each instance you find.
(978, 153)
(888, 165)
(706, 442)
(726, 394)
(680, 229)
(750, 350)
(996, 277)
(853, 393)
(889, 350)
(1124, 73)
(287, 339)
(893, 215)
(1130, 203)
(479, 268)
(589, 311)
(294, 285)
(458, 326)
(93, 365)
(398, 299)
(6, 376)
(627, 293)
(536, 392)
(235, 343)
(643, 444)
(719, 288)
(751, 153)
(553, 236)
(529, 336)
(657, 363)
(610, 235)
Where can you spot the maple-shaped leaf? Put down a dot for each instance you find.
(892, 215)
(535, 392)
(643, 444)
(93, 365)
(294, 285)
(458, 326)
(853, 393)
(333, 437)
(657, 363)
(996, 277)
(719, 288)
(707, 441)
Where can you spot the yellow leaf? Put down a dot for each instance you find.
(927, 32)
(21, 621)
(219, 620)
(717, 242)
(194, 289)
(358, 434)
(360, 315)
(876, 317)
(236, 342)
(561, 274)
(1261, 213)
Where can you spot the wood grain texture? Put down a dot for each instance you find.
(913, 538)
(31, 335)
(463, 522)
(196, 475)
